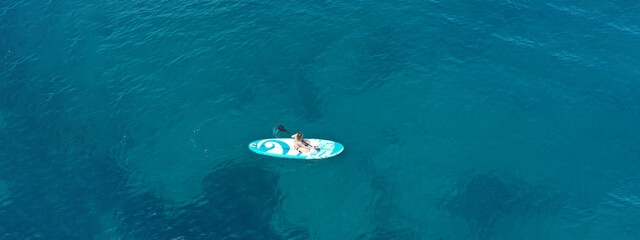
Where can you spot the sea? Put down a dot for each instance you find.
(494, 119)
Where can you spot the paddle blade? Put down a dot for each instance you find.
(281, 128)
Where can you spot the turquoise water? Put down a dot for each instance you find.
(461, 119)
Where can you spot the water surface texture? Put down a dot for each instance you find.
(461, 119)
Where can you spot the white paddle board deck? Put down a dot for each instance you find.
(283, 148)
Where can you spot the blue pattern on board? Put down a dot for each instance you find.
(285, 147)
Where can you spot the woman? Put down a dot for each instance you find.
(302, 145)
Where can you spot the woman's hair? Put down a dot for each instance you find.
(298, 136)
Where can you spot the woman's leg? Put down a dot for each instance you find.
(302, 149)
(311, 147)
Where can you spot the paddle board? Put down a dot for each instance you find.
(283, 148)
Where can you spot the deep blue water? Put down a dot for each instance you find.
(505, 119)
